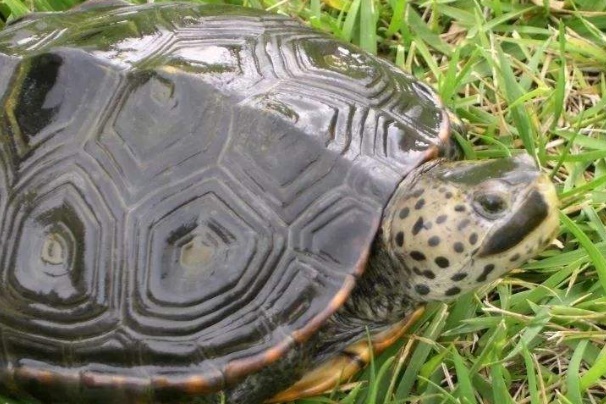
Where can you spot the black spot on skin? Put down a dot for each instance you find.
(404, 213)
(400, 239)
(417, 271)
(453, 291)
(433, 241)
(448, 195)
(427, 225)
(460, 208)
(441, 219)
(418, 193)
(428, 274)
(458, 247)
(514, 257)
(487, 270)
(420, 203)
(473, 238)
(417, 256)
(421, 289)
(464, 223)
(416, 228)
(459, 276)
(442, 262)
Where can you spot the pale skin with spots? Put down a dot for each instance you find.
(455, 226)
(450, 227)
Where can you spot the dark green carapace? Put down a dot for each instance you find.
(189, 193)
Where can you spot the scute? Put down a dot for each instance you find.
(187, 191)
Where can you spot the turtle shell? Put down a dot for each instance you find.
(187, 192)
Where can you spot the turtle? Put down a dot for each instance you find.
(208, 202)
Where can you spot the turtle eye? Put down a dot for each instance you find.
(491, 205)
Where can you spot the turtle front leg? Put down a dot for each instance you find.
(339, 368)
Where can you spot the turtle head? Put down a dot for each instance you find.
(454, 226)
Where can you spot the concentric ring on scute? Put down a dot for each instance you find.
(173, 123)
(200, 250)
(58, 262)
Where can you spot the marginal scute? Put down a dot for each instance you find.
(343, 59)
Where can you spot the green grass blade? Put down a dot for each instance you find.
(420, 355)
(16, 7)
(466, 390)
(532, 378)
(350, 21)
(368, 33)
(595, 373)
(597, 258)
(572, 376)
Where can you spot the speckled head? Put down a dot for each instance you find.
(454, 226)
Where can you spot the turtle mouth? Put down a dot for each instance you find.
(535, 214)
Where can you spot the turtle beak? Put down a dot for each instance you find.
(536, 215)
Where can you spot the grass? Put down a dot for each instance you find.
(521, 75)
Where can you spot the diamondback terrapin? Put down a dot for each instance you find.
(201, 200)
